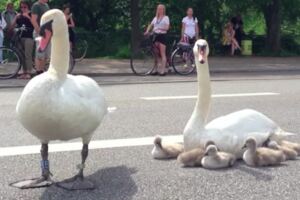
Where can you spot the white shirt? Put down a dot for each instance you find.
(190, 26)
(2, 25)
(159, 25)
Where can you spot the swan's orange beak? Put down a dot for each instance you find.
(44, 41)
(202, 54)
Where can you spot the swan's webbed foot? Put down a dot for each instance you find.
(42, 181)
(78, 182)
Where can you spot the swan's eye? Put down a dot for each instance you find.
(48, 26)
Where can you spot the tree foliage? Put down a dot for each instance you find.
(107, 23)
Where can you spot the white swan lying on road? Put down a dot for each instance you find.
(57, 106)
(229, 132)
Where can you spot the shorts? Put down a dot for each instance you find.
(161, 38)
(41, 55)
(189, 40)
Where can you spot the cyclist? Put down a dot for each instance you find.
(27, 43)
(160, 25)
(190, 28)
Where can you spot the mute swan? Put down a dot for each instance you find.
(217, 160)
(228, 132)
(57, 106)
(258, 157)
(165, 151)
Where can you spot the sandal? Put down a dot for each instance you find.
(24, 76)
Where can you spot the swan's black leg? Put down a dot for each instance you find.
(44, 180)
(78, 182)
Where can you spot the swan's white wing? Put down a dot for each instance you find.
(231, 131)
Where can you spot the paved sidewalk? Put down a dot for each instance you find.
(108, 71)
(217, 64)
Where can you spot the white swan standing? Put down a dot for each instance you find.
(228, 132)
(57, 106)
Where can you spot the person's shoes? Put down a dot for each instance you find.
(24, 76)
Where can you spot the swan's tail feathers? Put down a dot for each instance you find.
(166, 151)
(280, 135)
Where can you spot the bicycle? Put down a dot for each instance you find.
(79, 50)
(183, 60)
(13, 57)
(143, 61)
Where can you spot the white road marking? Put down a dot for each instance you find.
(76, 146)
(111, 109)
(213, 96)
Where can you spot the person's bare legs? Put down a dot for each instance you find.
(162, 50)
(40, 64)
(156, 58)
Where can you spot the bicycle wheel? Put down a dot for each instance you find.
(183, 61)
(71, 63)
(79, 50)
(10, 63)
(142, 62)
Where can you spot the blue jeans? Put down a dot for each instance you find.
(1, 44)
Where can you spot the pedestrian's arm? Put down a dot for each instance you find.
(72, 25)
(182, 30)
(34, 19)
(148, 28)
(14, 22)
(3, 23)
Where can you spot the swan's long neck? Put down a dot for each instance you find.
(204, 91)
(60, 55)
(201, 110)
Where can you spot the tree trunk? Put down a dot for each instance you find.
(272, 13)
(135, 25)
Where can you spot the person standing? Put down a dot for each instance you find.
(9, 14)
(71, 24)
(2, 27)
(24, 20)
(160, 25)
(190, 28)
(237, 23)
(37, 10)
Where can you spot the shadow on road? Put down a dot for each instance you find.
(260, 174)
(111, 183)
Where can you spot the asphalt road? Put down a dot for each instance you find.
(130, 172)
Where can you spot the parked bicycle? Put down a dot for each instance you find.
(144, 59)
(13, 56)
